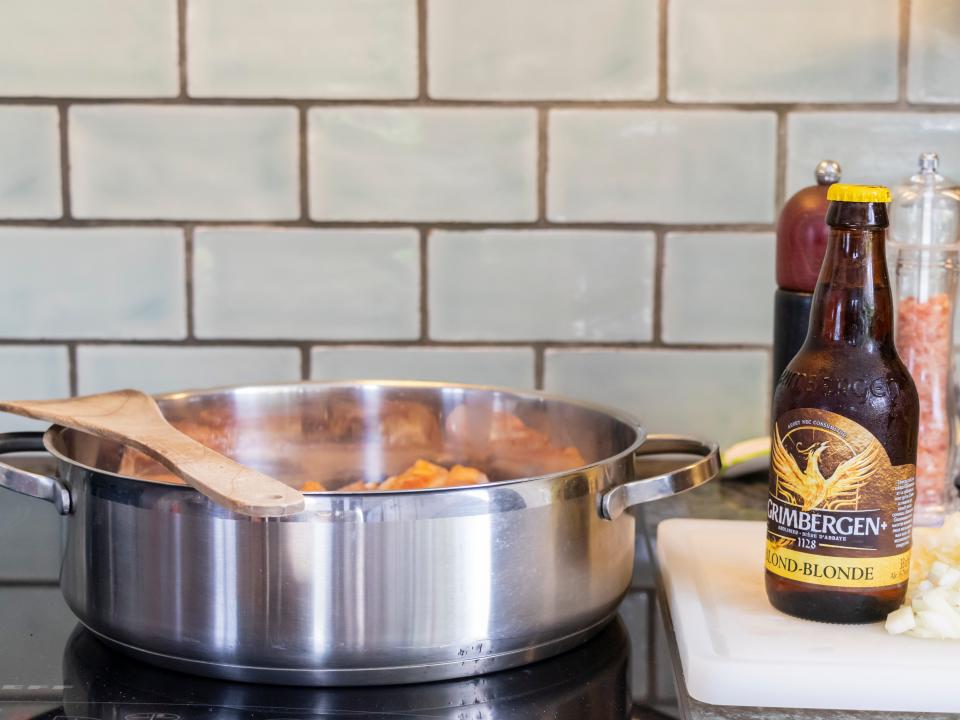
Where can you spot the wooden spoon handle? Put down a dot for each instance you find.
(226, 482)
(132, 418)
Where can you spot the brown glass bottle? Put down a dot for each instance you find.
(844, 437)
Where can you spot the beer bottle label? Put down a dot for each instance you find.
(838, 514)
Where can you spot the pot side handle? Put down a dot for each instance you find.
(619, 498)
(27, 483)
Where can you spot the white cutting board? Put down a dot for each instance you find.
(737, 650)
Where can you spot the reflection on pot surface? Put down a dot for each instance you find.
(589, 682)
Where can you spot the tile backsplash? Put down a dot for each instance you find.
(516, 285)
(183, 163)
(422, 164)
(92, 283)
(754, 51)
(29, 162)
(661, 166)
(537, 193)
(296, 283)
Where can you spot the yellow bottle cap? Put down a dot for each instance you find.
(858, 193)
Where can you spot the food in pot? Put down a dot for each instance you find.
(420, 475)
(397, 423)
(500, 442)
(504, 443)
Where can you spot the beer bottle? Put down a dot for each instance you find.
(844, 436)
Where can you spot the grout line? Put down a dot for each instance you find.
(539, 365)
(188, 278)
(656, 104)
(903, 52)
(64, 129)
(780, 183)
(662, 40)
(72, 367)
(542, 163)
(424, 299)
(423, 78)
(376, 342)
(305, 361)
(391, 224)
(182, 49)
(303, 164)
(28, 583)
(658, 263)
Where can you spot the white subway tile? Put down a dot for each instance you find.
(32, 372)
(661, 166)
(417, 164)
(543, 49)
(508, 367)
(934, 51)
(719, 395)
(92, 283)
(29, 162)
(163, 162)
(541, 285)
(307, 284)
(94, 48)
(814, 51)
(155, 369)
(302, 48)
(718, 287)
(871, 147)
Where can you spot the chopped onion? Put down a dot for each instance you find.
(900, 621)
(932, 609)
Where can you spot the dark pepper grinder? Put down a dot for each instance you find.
(801, 243)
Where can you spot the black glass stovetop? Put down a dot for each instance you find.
(51, 668)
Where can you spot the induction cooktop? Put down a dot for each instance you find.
(51, 668)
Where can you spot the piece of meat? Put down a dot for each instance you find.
(465, 475)
(519, 462)
(397, 423)
(504, 444)
(421, 475)
(358, 486)
(497, 428)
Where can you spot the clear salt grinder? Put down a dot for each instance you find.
(924, 250)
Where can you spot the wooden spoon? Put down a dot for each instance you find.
(134, 419)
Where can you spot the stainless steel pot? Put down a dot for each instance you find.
(361, 588)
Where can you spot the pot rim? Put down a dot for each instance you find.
(620, 415)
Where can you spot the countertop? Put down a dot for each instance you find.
(741, 499)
